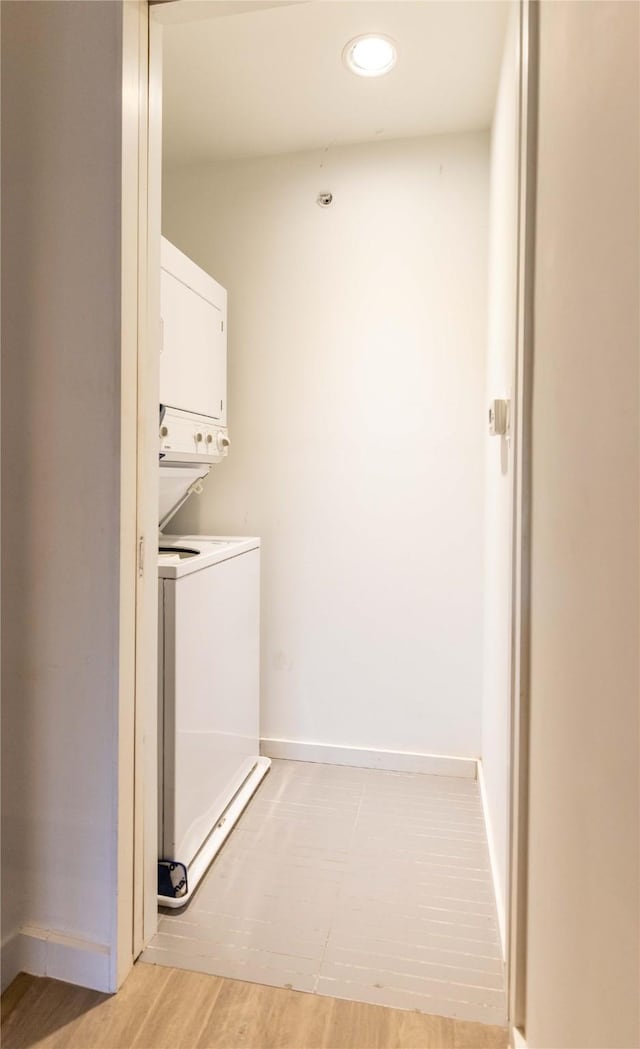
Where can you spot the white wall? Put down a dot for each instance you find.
(356, 410)
(61, 288)
(584, 931)
(498, 514)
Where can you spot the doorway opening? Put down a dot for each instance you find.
(365, 230)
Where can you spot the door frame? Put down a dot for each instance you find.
(142, 871)
(146, 875)
(136, 904)
(145, 912)
(521, 542)
(133, 349)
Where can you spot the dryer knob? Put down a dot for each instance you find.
(199, 438)
(164, 431)
(223, 442)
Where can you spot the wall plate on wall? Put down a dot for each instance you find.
(498, 418)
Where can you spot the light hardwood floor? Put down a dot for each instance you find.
(162, 1008)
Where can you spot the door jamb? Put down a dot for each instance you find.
(136, 906)
(520, 626)
(133, 159)
(148, 397)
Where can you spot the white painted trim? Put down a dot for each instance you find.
(493, 859)
(520, 641)
(47, 952)
(134, 49)
(219, 834)
(517, 1039)
(11, 954)
(369, 758)
(149, 209)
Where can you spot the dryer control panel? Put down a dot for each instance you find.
(186, 437)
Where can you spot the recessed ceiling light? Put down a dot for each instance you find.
(370, 55)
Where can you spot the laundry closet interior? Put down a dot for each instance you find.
(337, 368)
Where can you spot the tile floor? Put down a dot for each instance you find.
(361, 884)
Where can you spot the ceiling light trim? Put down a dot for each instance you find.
(370, 54)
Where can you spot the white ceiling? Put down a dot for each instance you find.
(255, 81)
(173, 12)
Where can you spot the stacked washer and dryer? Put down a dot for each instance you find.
(209, 598)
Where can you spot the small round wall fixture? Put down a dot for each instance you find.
(370, 55)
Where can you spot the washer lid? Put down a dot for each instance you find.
(176, 480)
(169, 555)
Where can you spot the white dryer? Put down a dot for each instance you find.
(209, 763)
(193, 355)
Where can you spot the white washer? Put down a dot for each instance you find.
(209, 763)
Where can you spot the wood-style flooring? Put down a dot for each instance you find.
(163, 1008)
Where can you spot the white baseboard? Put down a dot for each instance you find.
(518, 1040)
(11, 959)
(361, 757)
(493, 860)
(46, 952)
